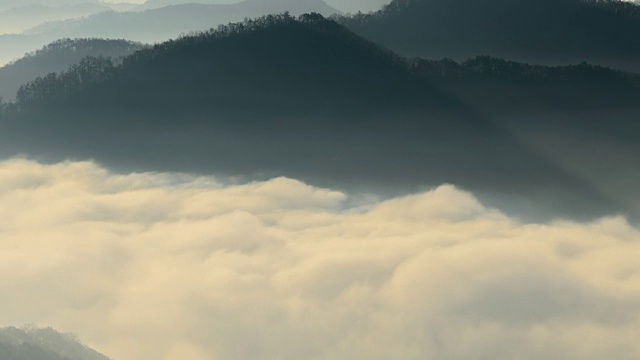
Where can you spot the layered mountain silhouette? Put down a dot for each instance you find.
(56, 57)
(18, 16)
(540, 31)
(18, 19)
(43, 344)
(153, 25)
(307, 98)
(160, 24)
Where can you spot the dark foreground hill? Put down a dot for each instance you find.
(309, 99)
(56, 57)
(43, 344)
(541, 31)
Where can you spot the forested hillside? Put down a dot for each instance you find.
(306, 97)
(266, 65)
(555, 32)
(153, 25)
(58, 56)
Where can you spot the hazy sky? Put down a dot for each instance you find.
(172, 267)
(355, 5)
(344, 5)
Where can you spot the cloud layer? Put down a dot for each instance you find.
(173, 267)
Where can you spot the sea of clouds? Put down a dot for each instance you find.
(175, 267)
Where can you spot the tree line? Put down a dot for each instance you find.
(55, 88)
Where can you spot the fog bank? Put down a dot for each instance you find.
(171, 266)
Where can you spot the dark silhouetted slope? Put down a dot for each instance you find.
(541, 31)
(259, 66)
(308, 98)
(56, 57)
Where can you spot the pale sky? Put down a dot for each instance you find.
(344, 5)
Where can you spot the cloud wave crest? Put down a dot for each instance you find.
(171, 266)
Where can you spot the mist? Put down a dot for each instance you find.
(351, 6)
(175, 266)
(304, 187)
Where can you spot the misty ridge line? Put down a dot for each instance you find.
(397, 8)
(449, 106)
(408, 36)
(481, 67)
(546, 32)
(352, 21)
(156, 24)
(58, 56)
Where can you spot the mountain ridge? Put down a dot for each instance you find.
(150, 26)
(58, 56)
(534, 31)
(307, 98)
(163, 23)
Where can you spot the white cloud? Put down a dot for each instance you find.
(167, 266)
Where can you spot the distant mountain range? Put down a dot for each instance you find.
(155, 25)
(17, 19)
(56, 57)
(549, 32)
(310, 99)
(43, 344)
(160, 24)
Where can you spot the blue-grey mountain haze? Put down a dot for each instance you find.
(152, 25)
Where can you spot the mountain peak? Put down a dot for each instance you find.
(549, 32)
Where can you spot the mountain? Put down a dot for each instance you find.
(160, 24)
(307, 98)
(540, 31)
(56, 57)
(155, 25)
(43, 344)
(19, 16)
(294, 6)
(18, 19)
